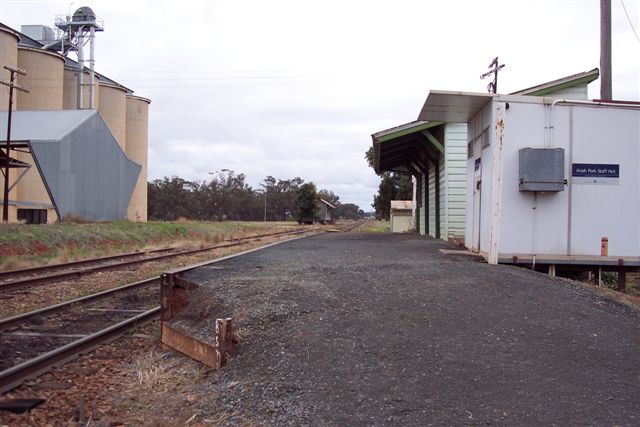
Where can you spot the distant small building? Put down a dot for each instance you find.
(326, 211)
(401, 219)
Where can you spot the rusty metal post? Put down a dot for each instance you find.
(604, 246)
(174, 298)
(166, 293)
(224, 340)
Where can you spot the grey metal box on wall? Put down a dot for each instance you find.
(541, 169)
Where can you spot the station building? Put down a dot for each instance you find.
(70, 156)
(549, 178)
(435, 153)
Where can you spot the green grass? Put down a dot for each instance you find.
(23, 245)
(376, 227)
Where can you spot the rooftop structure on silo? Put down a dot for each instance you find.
(78, 29)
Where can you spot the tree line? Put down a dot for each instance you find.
(227, 196)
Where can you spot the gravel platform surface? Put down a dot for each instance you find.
(380, 329)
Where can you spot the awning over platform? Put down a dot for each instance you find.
(453, 107)
(406, 148)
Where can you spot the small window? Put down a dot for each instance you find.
(485, 138)
(470, 150)
(33, 216)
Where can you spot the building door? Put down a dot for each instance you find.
(477, 205)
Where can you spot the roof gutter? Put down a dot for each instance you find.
(630, 105)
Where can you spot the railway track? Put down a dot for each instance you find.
(35, 342)
(21, 279)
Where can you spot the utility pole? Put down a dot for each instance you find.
(494, 67)
(265, 200)
(605, 50)
(7, 158)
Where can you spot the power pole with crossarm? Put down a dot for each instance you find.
(7, 158)
(494, 67)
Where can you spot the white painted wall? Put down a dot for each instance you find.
(476, 129)
(400, 222)
(571, 222)
(576, 93)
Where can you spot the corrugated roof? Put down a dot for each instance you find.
(10, 30)
(453, 107)
(42, 125)
(583, 78)
(327, 203)
(402, 204)
(404, 129)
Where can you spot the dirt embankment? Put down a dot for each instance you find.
(23, 246)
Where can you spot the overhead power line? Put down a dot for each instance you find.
(629, 19)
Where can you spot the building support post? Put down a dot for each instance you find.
(622, 276)
(436, 165)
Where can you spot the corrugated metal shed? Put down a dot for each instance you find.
(43, 125)
(84, 169)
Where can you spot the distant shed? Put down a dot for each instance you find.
(401, 219)
(326, 211)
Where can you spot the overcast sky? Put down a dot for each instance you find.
(295, 88)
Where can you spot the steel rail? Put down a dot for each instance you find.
(16, 375)
(6, 322)
(28, 282)
(352, 226)
(60, 266)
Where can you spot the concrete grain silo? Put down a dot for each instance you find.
(70, 96)
(137, 136)
(44, 79)
(8, 56)
(71, 163)
(112, 106)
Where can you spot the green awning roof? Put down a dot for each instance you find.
(403, 147)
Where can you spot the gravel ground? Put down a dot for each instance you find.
(373, 329)
(109, 378)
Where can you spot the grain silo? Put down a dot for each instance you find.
(112, 106)
(44, 78)
(94, 174)
(137, 136)
(8, 56)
